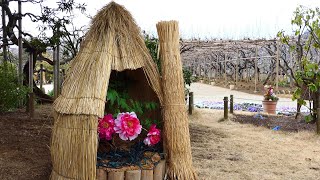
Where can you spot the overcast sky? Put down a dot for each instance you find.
(206, 19)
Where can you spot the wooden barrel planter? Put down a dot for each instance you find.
(269, 106)
(157, 173)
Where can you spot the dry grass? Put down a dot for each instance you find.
(229, 150)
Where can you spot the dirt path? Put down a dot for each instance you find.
(24, 144)
(206, 92)
(229, 150)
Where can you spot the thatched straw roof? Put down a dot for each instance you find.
(114, 42)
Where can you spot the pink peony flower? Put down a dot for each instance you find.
(153, 136)
(106, 127)
(127, 125)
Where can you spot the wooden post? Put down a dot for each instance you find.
(147, 174)
(247, 72)
(256, 71)
(116, 175)
(56, 73)
(31, 95)
(231, 104)
(219, 69)
(41, 76)
(293, 69)
(4, 34)
(133, 175)
(102, 174)
(225, 107)
(159, 171)
(318, 121)
(20, 72)
(225, 68)
(237, 67)
(190, 102)
(277, 67)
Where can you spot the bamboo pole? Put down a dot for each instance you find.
(277, 68)
(176, 123)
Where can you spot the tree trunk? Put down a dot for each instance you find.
(41, 96)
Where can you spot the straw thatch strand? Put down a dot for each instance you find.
(114, 42)
(176, 125)
(74, 147)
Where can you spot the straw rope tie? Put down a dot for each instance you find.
(112, 55)
(173, 105)
(77, 128)
(81, 97)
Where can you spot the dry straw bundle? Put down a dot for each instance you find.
(114, 42)
(176, 125)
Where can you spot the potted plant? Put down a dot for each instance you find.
(270, 101)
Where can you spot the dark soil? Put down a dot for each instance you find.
(24, 144)
(285, 123)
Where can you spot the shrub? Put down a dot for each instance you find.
(11, 93)
(50, 93)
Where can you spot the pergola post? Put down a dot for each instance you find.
(237, 67)
(20, 73)
(225, 68)
(41, 76)
(56, 74)
(292, 67)
(4, 34)
(256, 71)
(31, 95)
(277, 67)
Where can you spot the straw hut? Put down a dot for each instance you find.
(113, 44)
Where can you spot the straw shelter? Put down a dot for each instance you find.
(113, 43)
(176, 122)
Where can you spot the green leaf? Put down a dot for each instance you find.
(302, 102)
(309, 74)
(308, 118)
(312, 87)
(112, 96)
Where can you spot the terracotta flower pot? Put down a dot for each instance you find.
(269, 106)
